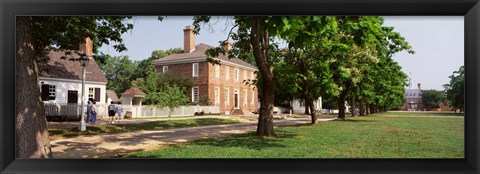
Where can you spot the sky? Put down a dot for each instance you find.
(438, 42)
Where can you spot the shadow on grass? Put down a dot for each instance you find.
(249, 140)
(154, 125)
(353, 120)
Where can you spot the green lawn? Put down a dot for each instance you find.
(154, 125)
(373, 136)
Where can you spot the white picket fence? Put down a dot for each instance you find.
(71, 109)
(146, 111)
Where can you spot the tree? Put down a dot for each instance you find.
(455, 89)
(36, 36)
(256, 35)
(170, 96)
(119, 71)
(432, 98)
(157, 54)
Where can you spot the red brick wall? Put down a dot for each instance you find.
(207, 82)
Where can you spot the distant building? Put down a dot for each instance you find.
(413, 98)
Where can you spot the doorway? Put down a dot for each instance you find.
(235, 94)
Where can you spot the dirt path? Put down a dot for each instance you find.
(105, 146)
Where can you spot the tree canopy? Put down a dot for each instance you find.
(456, 89)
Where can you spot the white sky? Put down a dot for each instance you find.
(437, 40)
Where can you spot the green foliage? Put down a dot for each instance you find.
(169, 96)
(119, 71)
(432, 98)
(455, 89)
(157, 54)
(204, 101)
(67, 32)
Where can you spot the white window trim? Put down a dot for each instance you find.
(217, 96)
(244, 74)
(217, 71)
(235, 74)
(251, 76)
(165, 69)
(54, 93)
(193, 94)
(227, 73)
(227, 96)
(236, 91)
(253, 97)
(193, 70)
(245, 96)
(93, 93)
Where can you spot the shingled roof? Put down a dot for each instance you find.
(67, 69)
(199, 52)
(413, 93)
(133, 91)
(112, 95)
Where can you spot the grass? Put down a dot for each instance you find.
(419, 113)
(373, 136)
(154, 125)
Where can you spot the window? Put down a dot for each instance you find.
(244, 74)
(217, 96)
(195, 94)
(217, 71)
(195, 69)
(90, 93)
(165, 68)
(253, 98)
(227, 96)
(48, 92)
(51, 92)
(94, 94)
(245, 96)
(235, 74)
(227, 73)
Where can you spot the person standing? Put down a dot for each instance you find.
(111, 112)
(89, 111)
(93, 118)
(119, 110)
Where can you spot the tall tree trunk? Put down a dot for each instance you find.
(306, 107)
(313, 114)
(353, 105)
(362, 107)
(367, 110)
(31, 134)
(341, 105)
(372, 110)
(306, 104)
(259, 41)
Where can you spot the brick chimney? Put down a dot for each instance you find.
(227, 46)
(188, 39)
(419, 86)
(87, 47)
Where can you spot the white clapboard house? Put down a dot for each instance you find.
(61, 83)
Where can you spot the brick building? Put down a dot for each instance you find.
(222, 84)
(413, 99)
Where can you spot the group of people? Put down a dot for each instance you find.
(114, 112)
(91, 112)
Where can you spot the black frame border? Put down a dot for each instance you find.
(470, 9)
